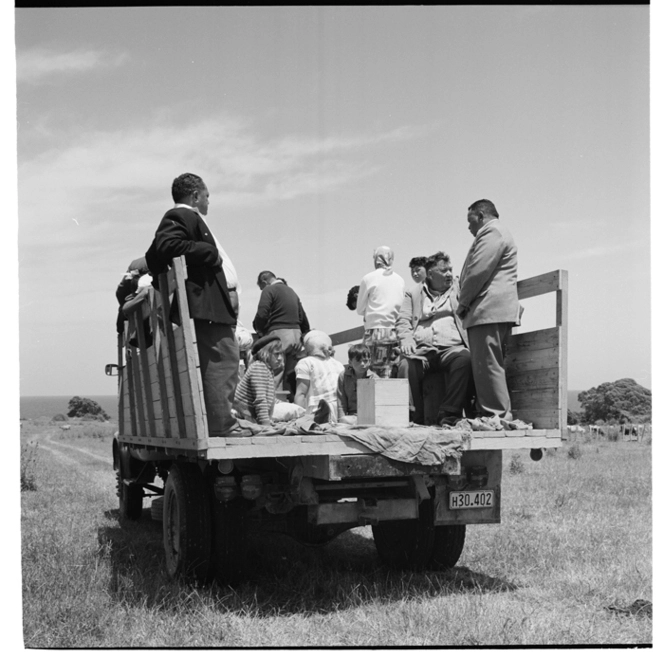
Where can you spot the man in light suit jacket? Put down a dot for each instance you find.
(489, 305)
(432, 337)
(183, 231)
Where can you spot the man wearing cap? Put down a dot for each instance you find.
(489, 305)
(280, 313)
(183, 231)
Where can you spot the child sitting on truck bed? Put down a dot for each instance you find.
(359, 359)
(255, 398)
(316, 378)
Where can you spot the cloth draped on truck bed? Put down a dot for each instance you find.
(415, 444)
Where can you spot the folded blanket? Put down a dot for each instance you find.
(415, 444)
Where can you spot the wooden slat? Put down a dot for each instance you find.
(535, 360)
(534, 340)
(145, 374)
(540, 418)
(159, 362)
(517, 381)
(347, 336)
(536, 397)
(561, 321)
(130, 388)
(191, 375)
(137, 400)
(539, 285)
(170, 355)
(121, 382)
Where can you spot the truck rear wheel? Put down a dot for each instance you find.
(418, 543)
(187, 524)
(406, 544)
(229, 542)
(447, 546)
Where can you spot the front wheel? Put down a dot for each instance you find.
(187, 524)
(131, 498)
(130, 495)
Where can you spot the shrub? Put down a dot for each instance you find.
(58, 418)
(574, 451)
(85, 408)
(28, 466)
(516, 465)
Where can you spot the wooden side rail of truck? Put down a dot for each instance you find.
(208, 490)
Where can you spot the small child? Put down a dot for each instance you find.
(254, 395)
(316, 377)
(359, 359)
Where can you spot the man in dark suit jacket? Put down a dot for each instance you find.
(432, 338)
(280, 312)
(183, 231)
(489, 305)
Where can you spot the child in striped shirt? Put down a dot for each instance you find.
(254, 395)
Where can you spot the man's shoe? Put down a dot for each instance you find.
(237, 431)
(449, 421)
(322, 413)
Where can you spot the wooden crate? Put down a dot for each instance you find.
(382, 402)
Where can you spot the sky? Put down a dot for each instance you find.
(323, 133)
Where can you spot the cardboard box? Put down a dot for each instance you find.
(382, 402)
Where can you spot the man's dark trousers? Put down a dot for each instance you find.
(454, 362)
(219, 356)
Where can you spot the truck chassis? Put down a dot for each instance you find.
(312, 487)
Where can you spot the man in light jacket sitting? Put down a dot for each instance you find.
(431, 338)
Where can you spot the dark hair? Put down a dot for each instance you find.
(265, 352)
(264, 275)
(185, 185)
(351, 299)
(418, 261)
(357, 351)
(436, 258)
(485, 207)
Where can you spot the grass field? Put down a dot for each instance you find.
(575, 541)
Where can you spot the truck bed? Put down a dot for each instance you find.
(161, 403)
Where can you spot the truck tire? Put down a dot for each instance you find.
(157, 509)
(406, 544)
(187, 524)
(448, 543)
(229, 542)
(130, 497)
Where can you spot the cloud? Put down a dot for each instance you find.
(90, 178)
(34, 65)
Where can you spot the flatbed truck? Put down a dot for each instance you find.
(210, 491)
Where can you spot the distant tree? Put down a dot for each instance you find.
(622, 401)
(85, 408)
(573, 417)
(58, 418)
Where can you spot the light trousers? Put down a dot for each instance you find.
(487, 355)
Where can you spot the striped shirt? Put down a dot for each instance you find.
(254, 395)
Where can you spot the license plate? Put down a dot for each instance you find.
(471, 499)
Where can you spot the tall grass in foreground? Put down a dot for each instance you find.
(575, 539)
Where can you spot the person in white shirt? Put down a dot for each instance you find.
(378, 301)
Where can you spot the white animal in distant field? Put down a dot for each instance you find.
(65, 427)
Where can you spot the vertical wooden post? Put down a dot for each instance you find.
(561, 323)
